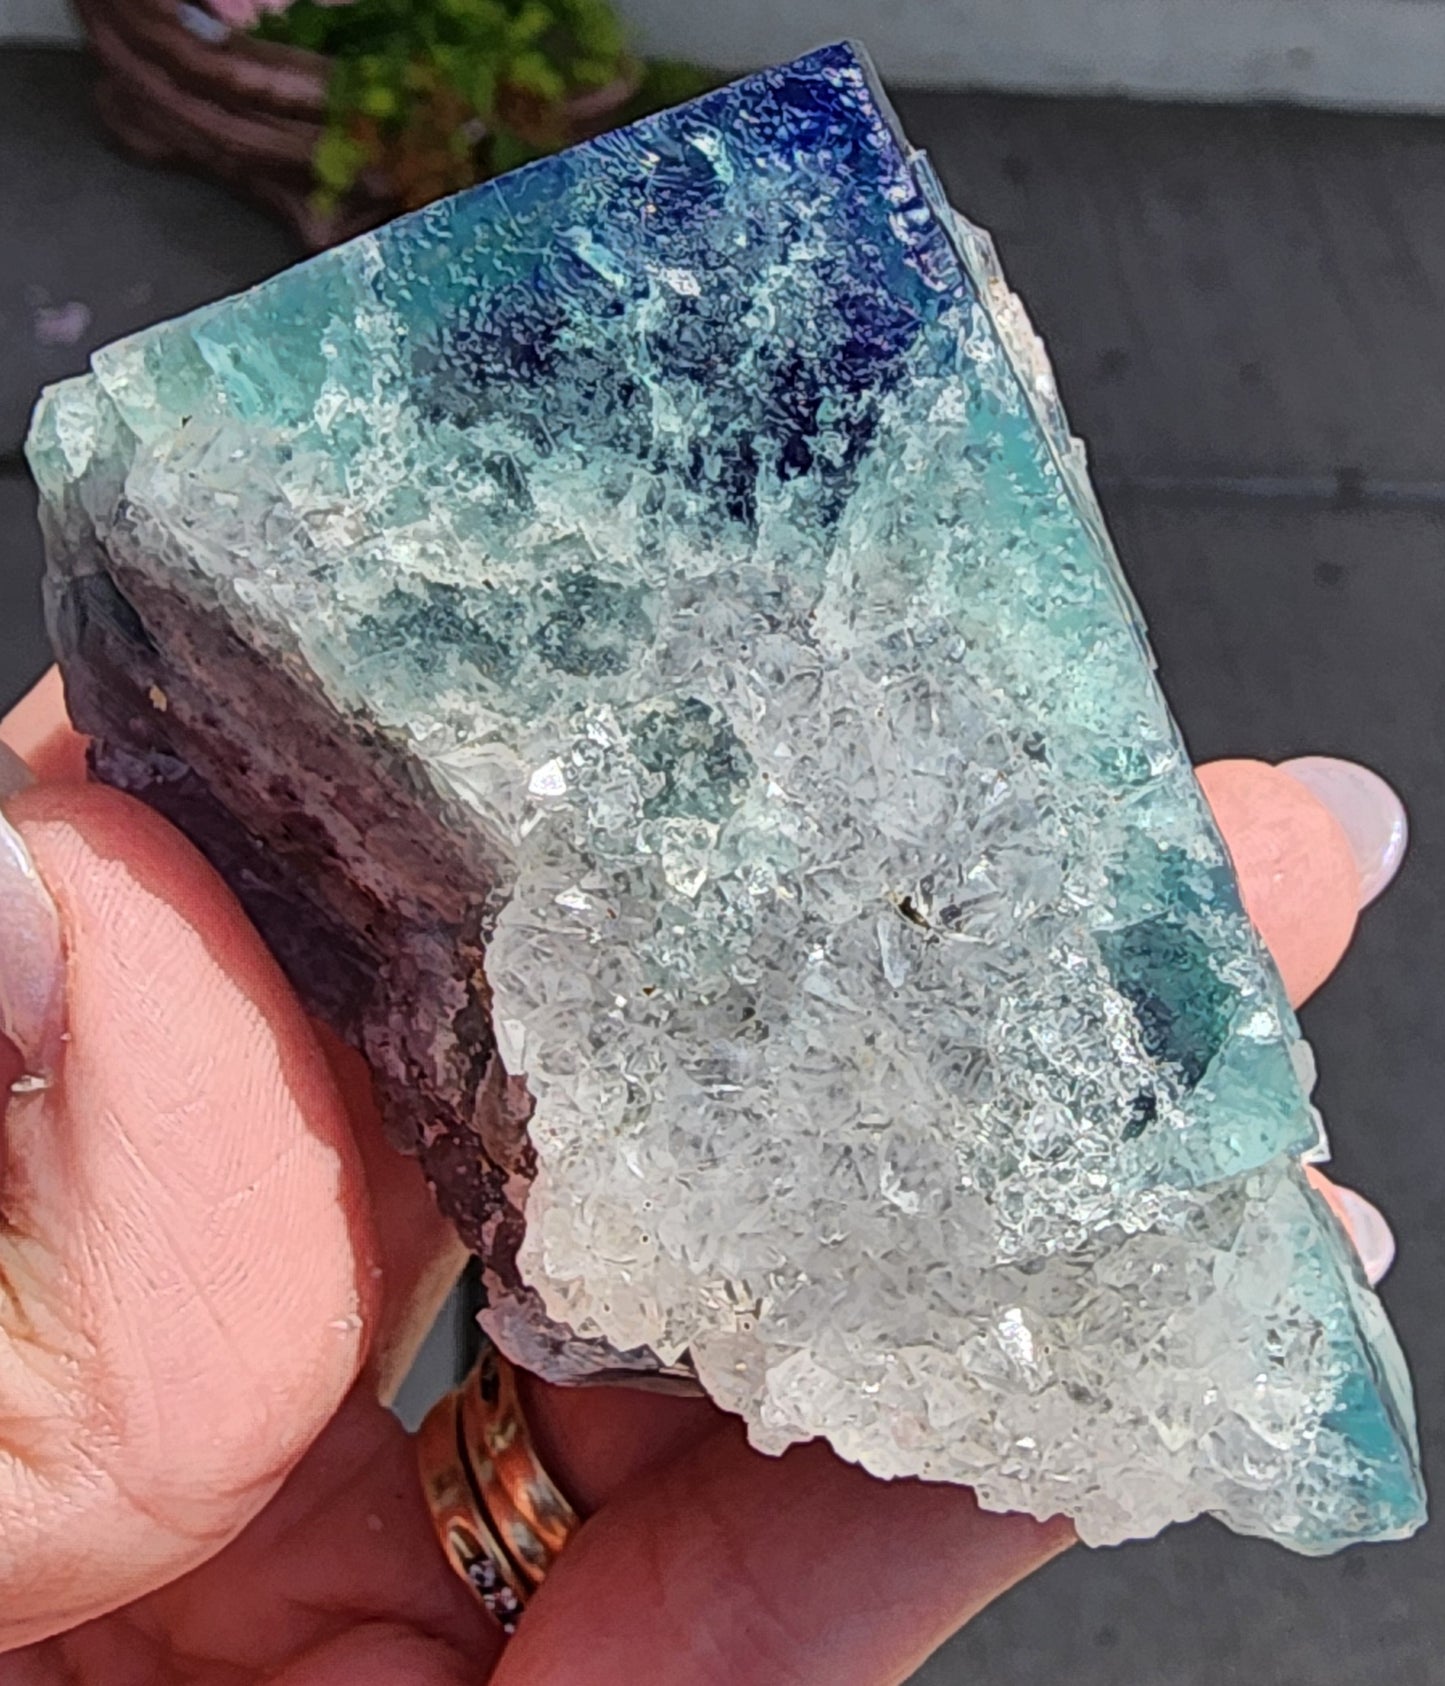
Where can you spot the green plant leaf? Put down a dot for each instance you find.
(379, 101)
(480, 88)
(593, 73)
(471, 24)
(406, 68)
(595, 28)
(507, 151)
(667, 82)
(338, 160)
(532, 73)
(529, 25)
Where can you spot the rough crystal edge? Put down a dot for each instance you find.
(1033, 370)
(1021, 342)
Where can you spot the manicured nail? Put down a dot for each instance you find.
(1373, 1238)
(1369, 812)
(1364, 1223)
(32, 959)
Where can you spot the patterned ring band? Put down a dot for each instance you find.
(499, 1516)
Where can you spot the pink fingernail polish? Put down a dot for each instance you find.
(32, 958)
(1369, 812)
(1373, 1238)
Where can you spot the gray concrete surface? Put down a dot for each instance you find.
(1366, 54)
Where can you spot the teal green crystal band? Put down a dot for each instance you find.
(640, 640)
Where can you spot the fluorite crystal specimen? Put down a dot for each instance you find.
(639, 639)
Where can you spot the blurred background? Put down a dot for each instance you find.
(1228, 221)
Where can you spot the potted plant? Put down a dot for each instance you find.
(337, 114)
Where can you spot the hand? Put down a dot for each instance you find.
(211, 1266)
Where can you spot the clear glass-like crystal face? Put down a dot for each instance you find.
(687, 531)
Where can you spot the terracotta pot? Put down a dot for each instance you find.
(177, 87)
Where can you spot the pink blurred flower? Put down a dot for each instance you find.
(241, 14)
(246, 14)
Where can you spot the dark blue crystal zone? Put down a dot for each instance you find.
(511, 295)
(534, 308)
(814, 139)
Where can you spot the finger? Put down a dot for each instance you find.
(38, 729)
(32, 976)
(378, 1654)
(1363, 1222)
(341, 1566)
(421, 1257)
(731, 1569)
(600, 1441)
(186, 1258)
(1371, 815)
(1297, 880)
(348, 1540)
(419, 1253)
(1297, 870)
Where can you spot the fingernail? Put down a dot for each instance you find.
(32, 958)
(1369, 812)
(1373, 1238)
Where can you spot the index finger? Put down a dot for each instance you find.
(38, 729)
(421, 1255)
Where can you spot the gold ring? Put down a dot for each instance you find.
(500, 1517)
